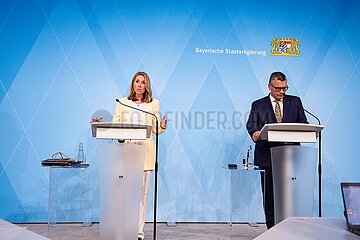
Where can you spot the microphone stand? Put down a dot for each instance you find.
(319, 165)
(156, 157)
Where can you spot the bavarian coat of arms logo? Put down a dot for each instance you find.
(285, 47)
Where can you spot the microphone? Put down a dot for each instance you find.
(138, 109)
(311, 114)
(319, 151)
(156, 158)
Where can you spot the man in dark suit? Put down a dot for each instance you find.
(274, 108)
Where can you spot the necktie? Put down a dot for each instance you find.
(278, 112)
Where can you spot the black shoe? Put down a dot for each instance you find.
(139, 238)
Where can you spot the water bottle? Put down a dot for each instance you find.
(249, 158)
(81, 156)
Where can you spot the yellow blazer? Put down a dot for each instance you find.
(122, 114)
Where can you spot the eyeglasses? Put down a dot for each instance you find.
(280, 88)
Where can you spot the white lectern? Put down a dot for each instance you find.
(121, 173)
(293, 168)
(119, 130)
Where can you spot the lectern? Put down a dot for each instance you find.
(121, 173)
(293, 167)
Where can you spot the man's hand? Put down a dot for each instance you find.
(256, 136)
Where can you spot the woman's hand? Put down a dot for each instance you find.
(96, 120)
(163, 122)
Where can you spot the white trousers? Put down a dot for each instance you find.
(143, 202)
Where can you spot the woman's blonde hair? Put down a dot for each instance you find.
(147, 96)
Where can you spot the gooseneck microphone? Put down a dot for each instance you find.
(319, 165)
(138, 109)
(156, 157)
(313, 115)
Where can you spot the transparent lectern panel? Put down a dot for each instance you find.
(121, 172)
(294, 169)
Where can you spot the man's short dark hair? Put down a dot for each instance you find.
(278, 76)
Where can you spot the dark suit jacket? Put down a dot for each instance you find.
(262, 113)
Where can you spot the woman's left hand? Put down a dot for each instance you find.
(163, 122)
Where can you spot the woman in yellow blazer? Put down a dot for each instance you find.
(140, 97)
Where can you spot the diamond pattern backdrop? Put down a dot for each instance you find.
(64, 62)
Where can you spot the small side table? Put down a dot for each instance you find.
(237, 184)
(69, 194)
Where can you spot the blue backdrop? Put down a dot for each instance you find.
(64, 62)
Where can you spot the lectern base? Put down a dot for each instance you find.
(121, 172)
(294, 169)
